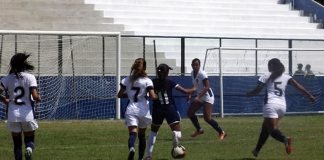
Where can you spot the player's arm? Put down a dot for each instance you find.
(4, 99)
(185, 90)
(302, 89)
(206, 88)
(256, 90)
(121, 92)
(152, 94)
(35, 95)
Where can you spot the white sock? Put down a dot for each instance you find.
(176, 136)
(150, 143)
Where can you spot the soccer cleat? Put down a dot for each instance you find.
(255, 153)
(28, 154)
(196, 133)
(288, 145)
(148, 158)
(131, 153)
(222, 135)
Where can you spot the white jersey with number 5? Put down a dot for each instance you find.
(137, 95)
(275, 89)
(19, 90)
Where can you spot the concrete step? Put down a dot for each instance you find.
(220, 25)
(205, 8)
(212, 22)
(33, 5)
(61, 26)
(224, 29)
(181, 2)
(240, 34)
(188, 14)
(47, 1)
(55, 19)
(56, 12)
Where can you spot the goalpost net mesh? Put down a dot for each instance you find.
(76, 73)
(241, 68)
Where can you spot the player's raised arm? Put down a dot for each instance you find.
(302, 89)
(256, 90)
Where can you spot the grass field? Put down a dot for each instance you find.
(107, 140)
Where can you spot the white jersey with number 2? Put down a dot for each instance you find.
(275, 89)
(19, 90)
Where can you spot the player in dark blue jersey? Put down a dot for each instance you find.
(164, 107)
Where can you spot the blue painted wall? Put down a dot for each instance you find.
(58, 100)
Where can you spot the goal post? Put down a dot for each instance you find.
(241, 66)
(78, 73)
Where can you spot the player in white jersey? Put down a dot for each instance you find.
(137, 87)
(205, 98)
(20, 86)
(275, 103)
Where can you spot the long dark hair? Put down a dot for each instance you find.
(276, 68)
(137, 71)
(19, 63)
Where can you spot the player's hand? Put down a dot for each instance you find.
(312, 98)
(197, 99)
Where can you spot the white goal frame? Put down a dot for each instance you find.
(221, 91)
(82, 33)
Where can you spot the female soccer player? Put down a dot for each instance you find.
(205, 98)
(20, 86)
(164, 108)
(137, 115)
(274, 107)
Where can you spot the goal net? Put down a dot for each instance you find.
(77, 72)
(235, 71)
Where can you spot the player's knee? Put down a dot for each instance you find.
(207, 119)
(177, 134)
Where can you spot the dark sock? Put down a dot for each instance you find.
(29, 141)
(17, 147)
(141, 145)
(132, 139)
(215, 125)
(276, 134)
(195, 122)
(262, 139)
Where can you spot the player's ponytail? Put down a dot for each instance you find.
(276, 68)
(138, 71)
(19, 63)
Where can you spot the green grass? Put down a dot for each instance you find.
(105, 140)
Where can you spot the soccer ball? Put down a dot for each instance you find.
(178, 152)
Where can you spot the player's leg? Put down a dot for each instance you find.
(195, 105)
(132, 123)
(173, 119)
(272, 127)
(176, 133)
(16, 131)
(29, 137)
(157, 120)
(144, 122)
(264, 134)
(151, 141)
(132, 130)
(17, 141)
(273, 113)
(141, 143)
(208, 108)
